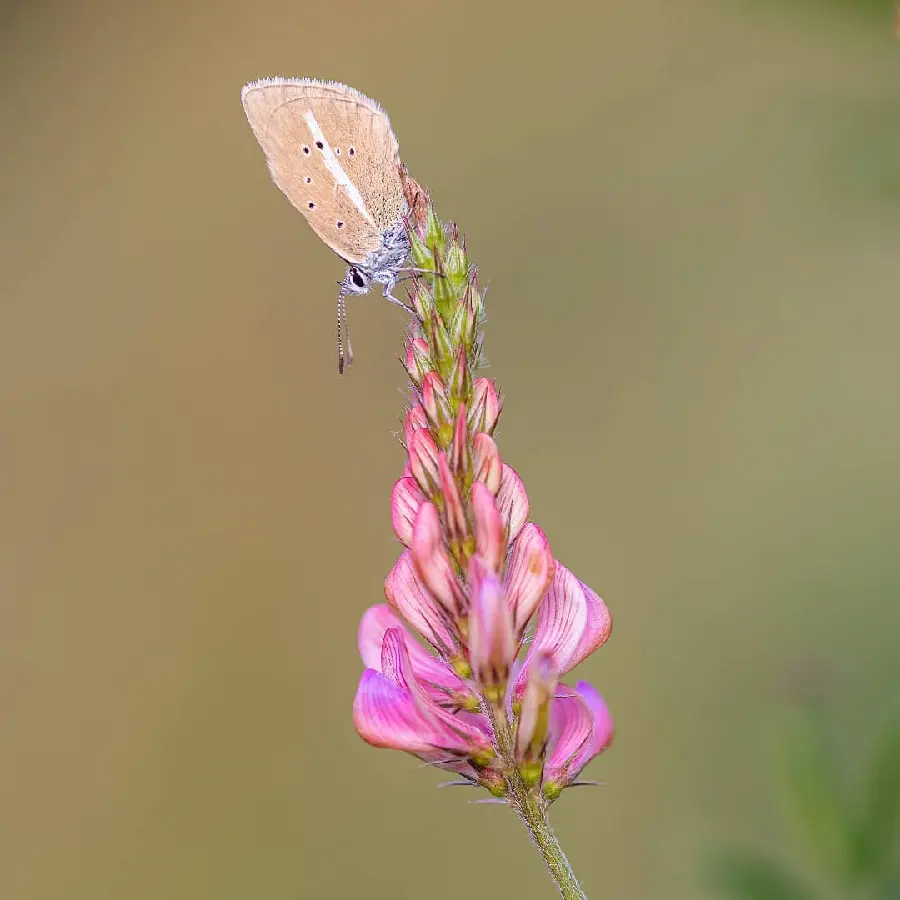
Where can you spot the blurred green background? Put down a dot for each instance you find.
(689, 217)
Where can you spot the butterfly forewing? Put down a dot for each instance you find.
(307, 130)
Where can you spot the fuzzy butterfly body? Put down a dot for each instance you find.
(332, 152)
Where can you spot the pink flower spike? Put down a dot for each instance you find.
(490, 542)
(571, 727)
(513, 502)
(492, 646)
(434, 400)
(405, 592)
(427, 668)
(486, 463)
(415, 419)
(431, 561)
(457, 526)
(406, 498)
(423, 460)
(485, 406)
(529, 571)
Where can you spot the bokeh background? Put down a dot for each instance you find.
(689, 217)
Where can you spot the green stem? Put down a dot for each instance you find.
(534, 814)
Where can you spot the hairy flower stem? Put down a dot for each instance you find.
(533, 811)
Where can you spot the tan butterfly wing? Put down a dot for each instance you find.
(352, 181)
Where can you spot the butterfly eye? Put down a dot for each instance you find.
(357, 278)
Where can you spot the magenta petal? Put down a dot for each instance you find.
(428, 668)
(406, 593)
(451, 731)
(571, 726)
(395, 662)
(375, 622)
(406, 499)
(529, 571)
(597, 628)
(603, 730)
(386, 715)
(512, 501)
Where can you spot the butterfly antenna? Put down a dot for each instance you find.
(343, 330)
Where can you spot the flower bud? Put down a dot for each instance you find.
(492, 646)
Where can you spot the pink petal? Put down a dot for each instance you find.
(486, 463)
(428, 668)
(513, 502)
(432, 563)
(457, 526)
(459, 382)
(529, 571)
(492, 645)
(406, 593)
(597, 628)
(485, 406)
(385, 715)
(406, 498)
(415, 420)
(423, 460)
(571, 726)
(434, 400)
(458, 455)
(418, 360)
(490, 542)
(561, 620)
(533, 725)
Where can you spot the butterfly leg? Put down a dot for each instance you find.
(397, 301)
(389, 281)
(417, 271)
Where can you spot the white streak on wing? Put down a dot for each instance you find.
(333, 166)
